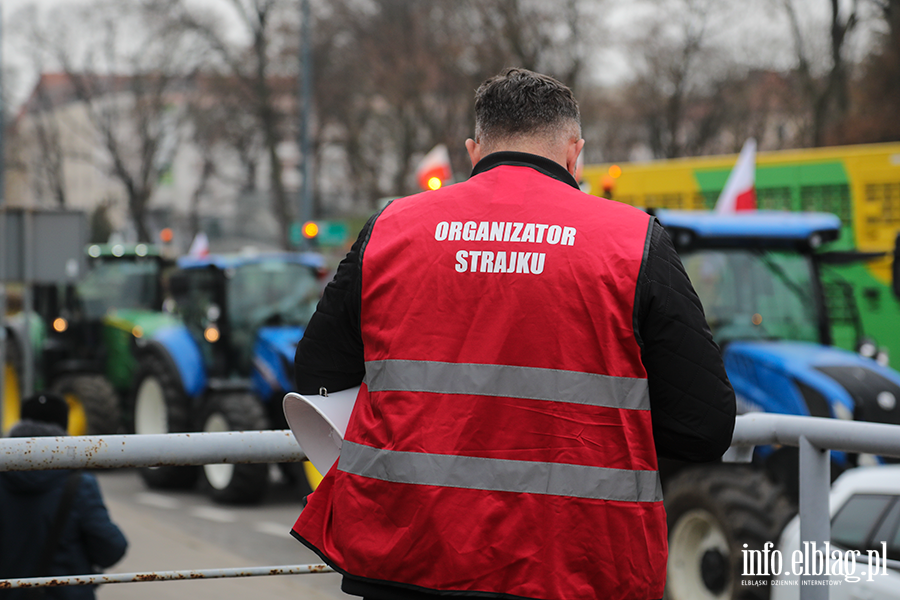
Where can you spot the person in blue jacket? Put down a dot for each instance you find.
(86, 542)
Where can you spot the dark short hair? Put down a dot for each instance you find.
(519, 101)
(46, 408)
(28, 428)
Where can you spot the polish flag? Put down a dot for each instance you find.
(200, 246)
(740, 189)
(434, 168)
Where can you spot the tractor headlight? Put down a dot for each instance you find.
(867, 460)
(211, 334)
(867, 348)
(842, 412)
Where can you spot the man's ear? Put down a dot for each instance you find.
(474, 149)
(572, 152)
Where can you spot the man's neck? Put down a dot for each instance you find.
(556, 155)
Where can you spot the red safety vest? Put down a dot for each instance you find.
(501, 441)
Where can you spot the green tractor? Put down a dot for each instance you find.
(81, 337)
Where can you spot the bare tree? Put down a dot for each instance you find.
(677, 89)
(259, 67)
(13, 156)
(556, 38)
(877, 88)
(826, 91)
(400, 76)
(205, 136)
(227, 139)
(387, 88)
(48, 160)
(50, 171)
(126, 82)
(392, 77)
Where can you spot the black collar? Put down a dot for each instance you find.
(523, 159)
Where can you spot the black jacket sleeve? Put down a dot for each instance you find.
(692, 402)
(330, 353)
(104, 543)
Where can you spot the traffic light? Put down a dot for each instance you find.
(608, 184)
(434, 169)
(320, 233)
(310, 230)
(608, 181)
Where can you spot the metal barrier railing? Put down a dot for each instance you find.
(148, 450)
(163, 576)
(815, 437)
(152, 450)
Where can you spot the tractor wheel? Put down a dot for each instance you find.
(161, 406)
(93, 403)
(712, 513)
(12, 390)
(235, 484)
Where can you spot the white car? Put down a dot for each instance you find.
(865, 526)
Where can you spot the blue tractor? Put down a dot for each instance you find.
(224, 360)
(758, 275)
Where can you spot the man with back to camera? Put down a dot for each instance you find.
(525, 351)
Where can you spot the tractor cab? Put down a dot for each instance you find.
(227, 360)
(756, 273)
(119, 277)
(226, 301)
(84, 331)
(758, 277)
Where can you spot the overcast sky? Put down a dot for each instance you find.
(20, 86)
(8, 7)
(24, 79)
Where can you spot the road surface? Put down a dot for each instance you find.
(170, 531)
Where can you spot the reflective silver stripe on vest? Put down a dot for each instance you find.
(507, 381)
(496, 475)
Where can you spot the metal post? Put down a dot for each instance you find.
(2, 123)
(306, 207)
(27, 384)
(2, 303)
(815, 519)
(2, 241)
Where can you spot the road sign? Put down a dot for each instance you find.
(43, 246)
(325, 233)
